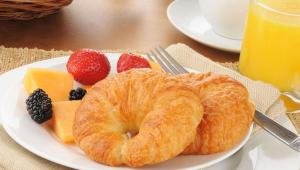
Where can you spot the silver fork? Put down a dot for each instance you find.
(170, 65)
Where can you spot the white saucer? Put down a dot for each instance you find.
(185, 15)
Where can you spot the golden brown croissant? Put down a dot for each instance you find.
(228, 113)
(163, 110)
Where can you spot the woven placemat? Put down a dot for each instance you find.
(11, 58)
(295, 119)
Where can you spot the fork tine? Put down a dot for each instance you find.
(165, 68)
(150, 57)
(170, 66)
(178, 66)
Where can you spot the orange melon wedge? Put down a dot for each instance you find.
(62, 119)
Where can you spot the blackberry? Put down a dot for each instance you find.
(77, 94)
(39, 106)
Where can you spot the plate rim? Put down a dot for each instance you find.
(62, 59)
(190, 35)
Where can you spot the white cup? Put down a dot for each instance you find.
(227, 17)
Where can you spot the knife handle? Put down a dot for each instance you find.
(283, 134)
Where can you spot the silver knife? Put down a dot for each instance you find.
(284, 135)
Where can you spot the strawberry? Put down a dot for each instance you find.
(129, 61)
(88, 66)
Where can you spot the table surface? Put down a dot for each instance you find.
(104, 24)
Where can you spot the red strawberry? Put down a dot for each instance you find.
(129, 61)
(88, 66)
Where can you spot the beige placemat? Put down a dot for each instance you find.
(14, 157)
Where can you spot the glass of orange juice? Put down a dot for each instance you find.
(271, 45)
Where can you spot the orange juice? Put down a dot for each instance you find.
(271, 46)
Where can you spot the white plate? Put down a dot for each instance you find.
(186, 16)
(42, 142)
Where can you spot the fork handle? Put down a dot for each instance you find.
(283, 134)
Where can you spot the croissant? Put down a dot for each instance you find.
(160, 110)
(228, 112)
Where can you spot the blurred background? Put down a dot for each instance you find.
(103, 24)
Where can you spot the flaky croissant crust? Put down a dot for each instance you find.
(165, 112)
(228, 112)
(161, 108)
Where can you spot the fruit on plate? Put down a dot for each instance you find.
(63, 115)
(56, 84)
(129, 61)
(39, 106)
(77, 94)
(87, 88)
(155, 66)
(88, 66)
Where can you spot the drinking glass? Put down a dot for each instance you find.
(271, 45)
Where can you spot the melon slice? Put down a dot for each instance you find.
(155, 66)
(63, 115)
(56, 84)
(87, 88)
